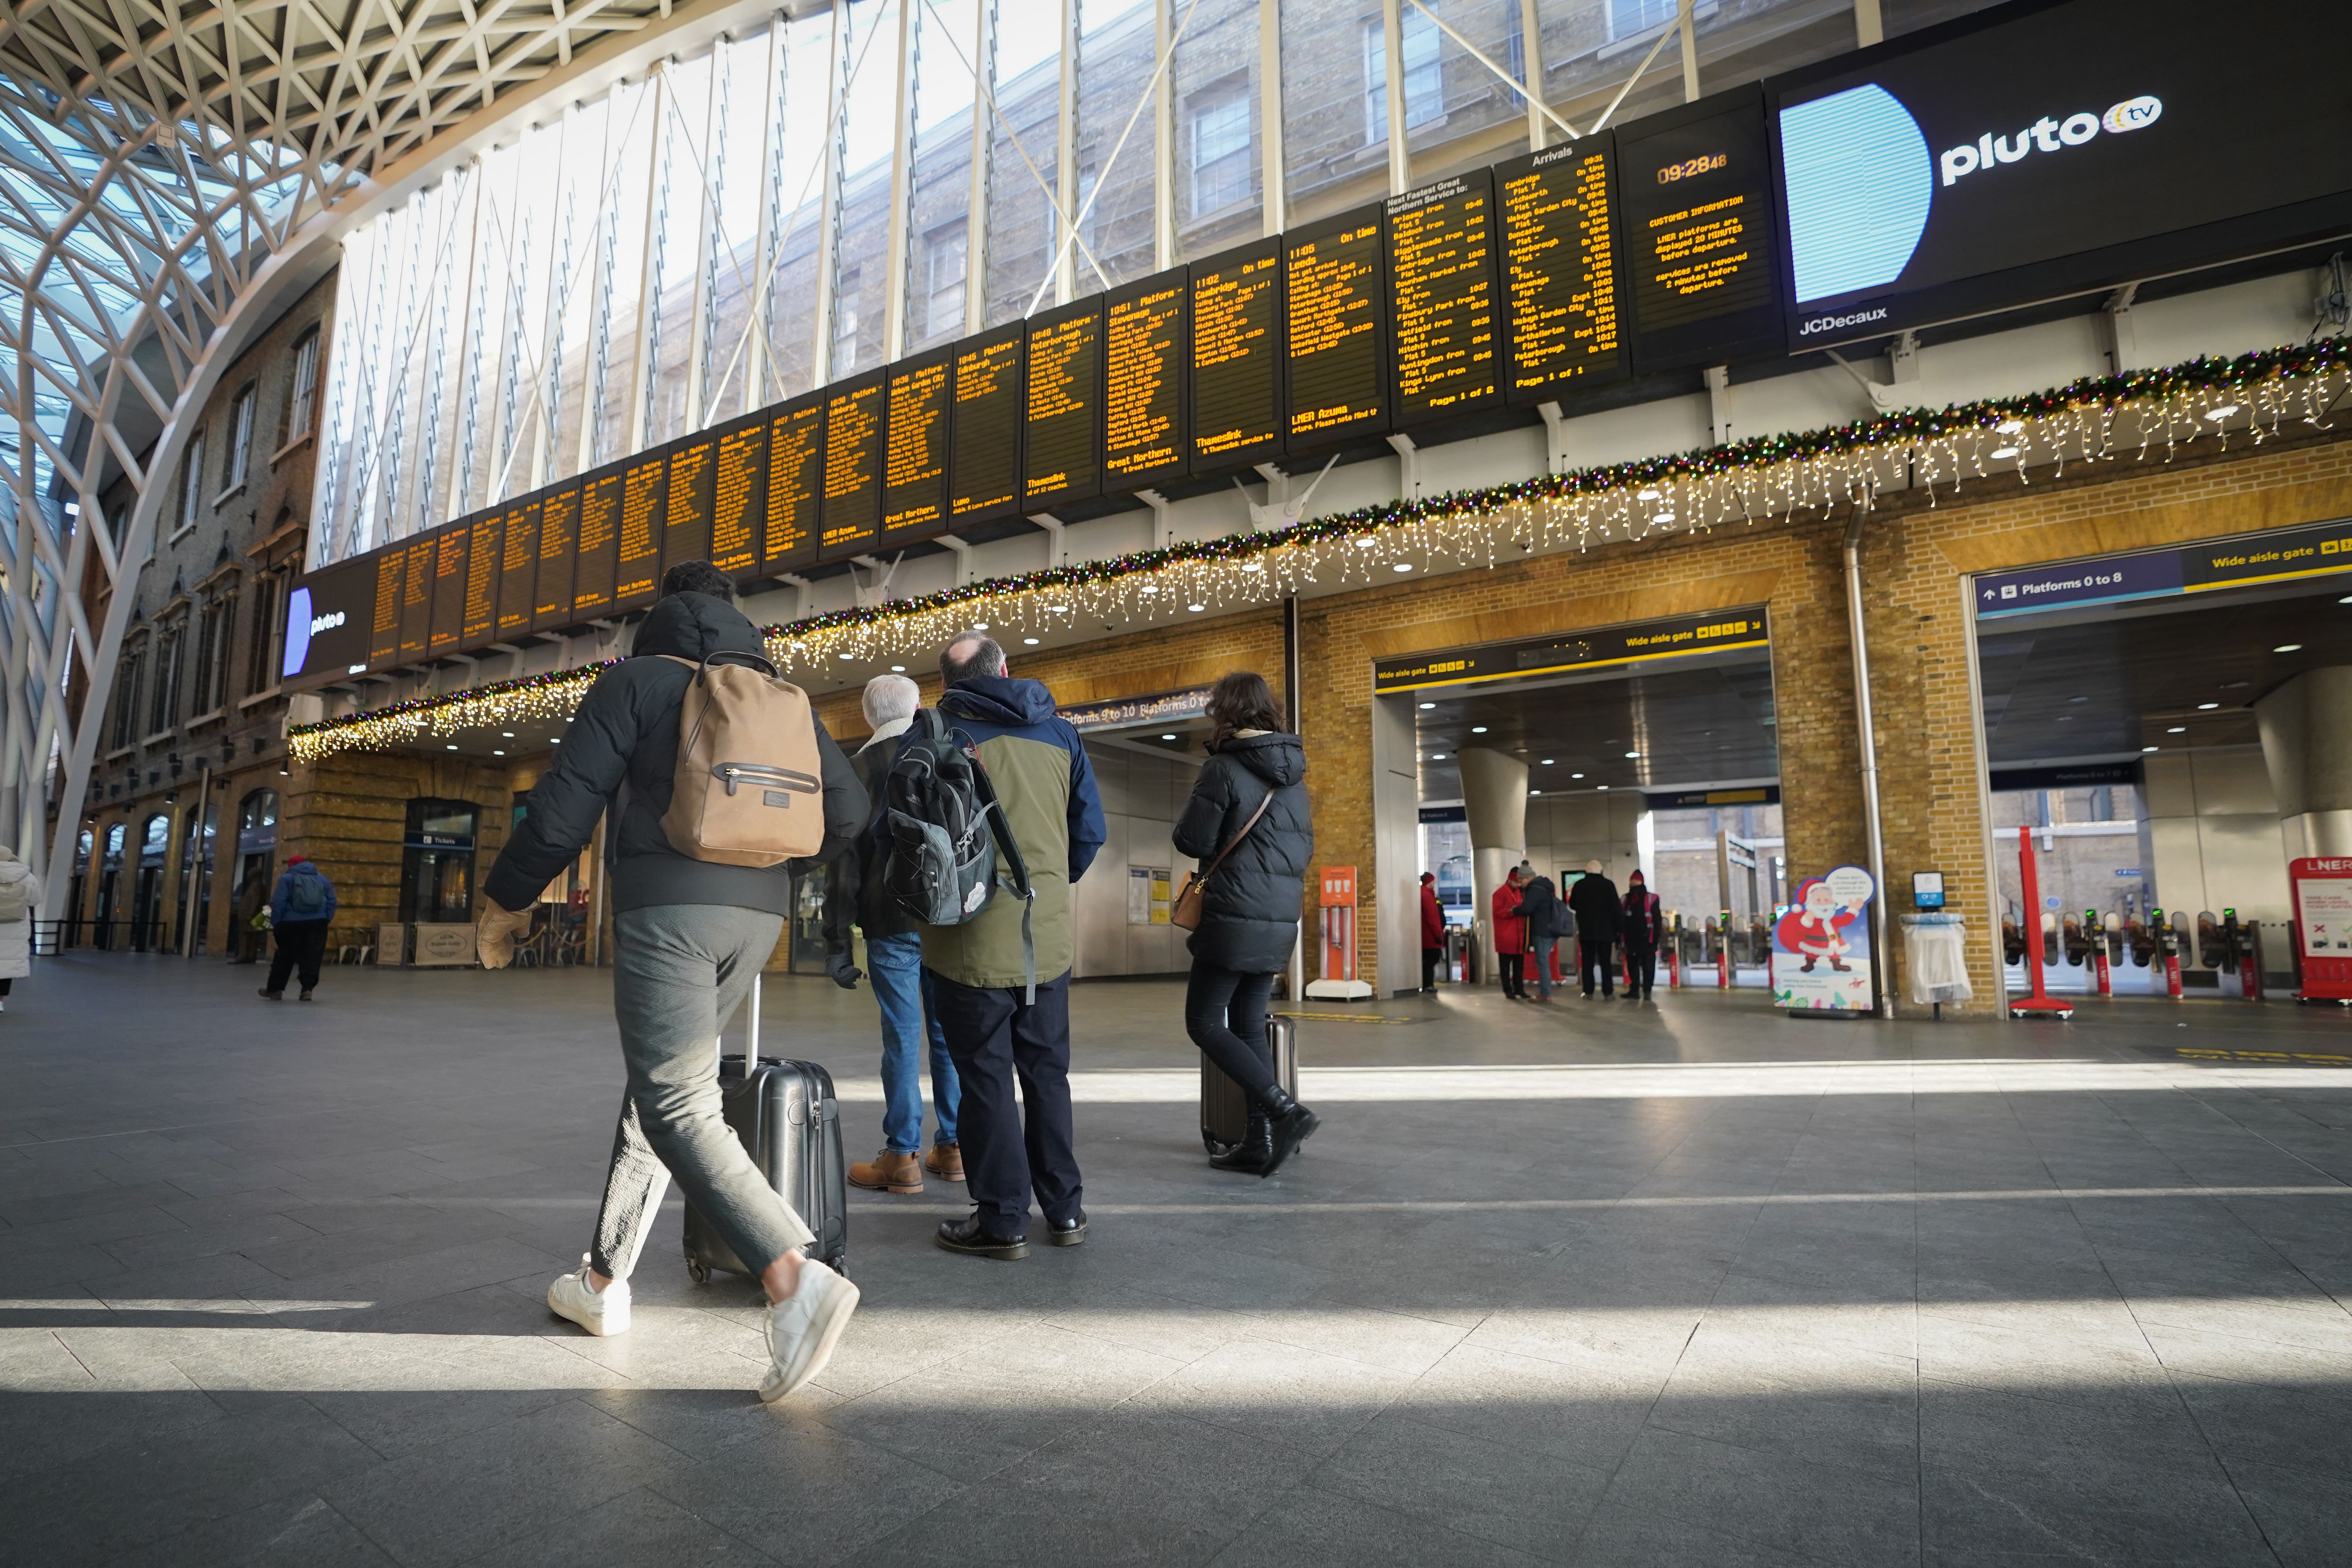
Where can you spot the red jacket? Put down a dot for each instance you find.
(1432, 917)
(1510, 928)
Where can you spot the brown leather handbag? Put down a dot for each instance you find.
(1188, 910)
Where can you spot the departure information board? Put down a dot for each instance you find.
(517, 565)
(1335, 302)
(693, 491)
(740, 496)
(1238, 356)
(1442, 294)
(449, 588)
(594, 572)
(985, 472)
(1695, 206)
(559, 553)
(481, 614)
(795, 483)
(854, 457)
(384, 624)
(1559, 270)
(636, 577)
(1063, 459)
(416, 600)
(1147, 351)
(915, 460)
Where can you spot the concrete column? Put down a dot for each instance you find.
(1495, 798)
(2306, 727)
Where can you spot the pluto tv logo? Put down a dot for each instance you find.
(1860, 180)
(2046, 135)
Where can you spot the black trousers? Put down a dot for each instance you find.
(994, 1037)
(1225, 1012)
(1514, 978)
(1429, 957)
(1640, 968)
(1593, 958)
(299, 942)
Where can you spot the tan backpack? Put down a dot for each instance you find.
(750, 785)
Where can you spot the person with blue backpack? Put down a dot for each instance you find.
(299, 912)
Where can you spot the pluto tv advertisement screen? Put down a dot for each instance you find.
(2052, 151)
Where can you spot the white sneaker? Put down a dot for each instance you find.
(604, 1311)
(803, 1328)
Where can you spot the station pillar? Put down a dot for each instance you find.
(2306, 727)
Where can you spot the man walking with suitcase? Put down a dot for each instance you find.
(689, 936)
(999, 1026)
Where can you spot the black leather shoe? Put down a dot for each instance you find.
(1290, 1124)
(1252, 1152)
(970, 1237)
(1070, 1233)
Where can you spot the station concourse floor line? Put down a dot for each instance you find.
(1599, 1283)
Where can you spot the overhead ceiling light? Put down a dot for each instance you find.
(979, 626)
(1648, 492)
(1058, 609)
(1576, 776)
(453, 747)
(1477, 729)
(1196, 606)
(846, 658)
(1252, 566)
(2010, 426)
(1547, 762)
(556, 741)
(2147, 748)
(1437, 756)
(1148, 590)
(2178, 729)
(1031, 642)
(2346, 599)
(1368, 542)
(506, 734)
(1600, 786)
(497, 753)
(1631, 755)
(2207, 706)
(1427, 706)
(1535, 791)
(897, 669)
(2078, 700)
(2217, 414)
(2002, 453)
(1401, 566)
(2288, 648)
(1167, 737)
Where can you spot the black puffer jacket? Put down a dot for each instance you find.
(627, 732)
(1597, 910)
(1250, 912)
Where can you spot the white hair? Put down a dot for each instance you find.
(889, 696)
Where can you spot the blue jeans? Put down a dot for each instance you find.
(903, 987)
(1540, 960)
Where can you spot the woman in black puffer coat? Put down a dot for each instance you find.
(1249, 922)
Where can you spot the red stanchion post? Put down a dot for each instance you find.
(2041, 1004)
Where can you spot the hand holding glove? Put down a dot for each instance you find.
(843, 973)
(493, 937)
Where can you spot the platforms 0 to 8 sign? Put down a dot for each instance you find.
(1440, 257)
(1559, 270)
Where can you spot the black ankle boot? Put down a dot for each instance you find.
(1255, 1149)
(1291, 1124)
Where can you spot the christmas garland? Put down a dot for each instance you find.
(1759, 477)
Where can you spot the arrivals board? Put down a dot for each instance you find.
(559, 553)
(739, 497)
(518, 567)
(693, 492)
(854, 454)
(2033, 152)
(480, 623)
(1443, 298)
(594, 572)
(1335, 302)
(636, 576)
(449, 559)
(1237, 368)
(1560, 271)
(327, 622)
(795, 484)
(1063, 425)
(384, 621)
(416, 600)
(1146, 355)
(915, 458)
(1697, 231)
(984, 470)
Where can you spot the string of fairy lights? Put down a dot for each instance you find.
(2136, 416)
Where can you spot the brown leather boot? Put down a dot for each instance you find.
(889, 1171)
(945, 1160)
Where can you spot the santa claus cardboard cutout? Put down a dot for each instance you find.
(1820, 947)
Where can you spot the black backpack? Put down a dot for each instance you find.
(949, 849)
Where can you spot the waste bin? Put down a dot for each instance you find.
(1936, 957)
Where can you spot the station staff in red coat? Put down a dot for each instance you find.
(1510, 936)
(1432, 931)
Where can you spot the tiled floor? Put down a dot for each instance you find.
(1597, 1285)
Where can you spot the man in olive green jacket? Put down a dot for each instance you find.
(978, 970)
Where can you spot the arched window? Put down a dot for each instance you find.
(255, 811)
(114, 836)
(155, 839)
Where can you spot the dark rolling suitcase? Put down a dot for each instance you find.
(790, 1123)
(1224, 1108)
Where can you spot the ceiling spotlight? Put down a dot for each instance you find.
(2178, 729)
(452, 746)
(1547, 762)
(1252, 566)
(846, 658)
(979, 626)
(506, 734)
(557, 741)
(1058, 609)
(1167, 737)
(2003, 453)
(2010, 426)
(1426, 706)
(1666, 516)
(2078, 700)
(1631, 755)
(2288, 648)
(1535, 791)
(1477, 729)
(897, 669)
(1600, 786)
(1648, 492)
(1576, 776)
(1147, 590)
(497, 753)
(2346, 599)
(2147, 748)
(1401, 566)
(1196, 608)
(2207, 706)
(1031, 642)
(2217, 414)
(1368, 542)
(1437, 756)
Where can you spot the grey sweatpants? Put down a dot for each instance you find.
(680, 971)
